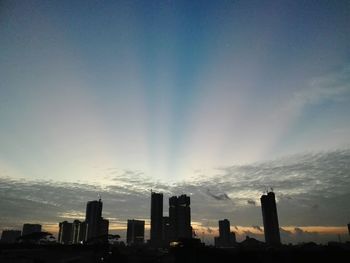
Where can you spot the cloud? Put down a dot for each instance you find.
(301, 182)
(219, 197)
(258, 228)
(209, 230)
(285, 232)
(298, 231)
(331, 86)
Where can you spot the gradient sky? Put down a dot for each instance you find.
(170, 89)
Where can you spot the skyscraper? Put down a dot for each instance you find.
(104, 225)
(65, 234)
(226, 238)
(270, 219)
(30, 228)
(166, 230)
(78, 231)
(93, 219)
(10, 236)
(156, 219)
(135, 232)
(180, 217)
(224, 230)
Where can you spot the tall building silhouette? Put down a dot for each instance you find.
(93, 219)
(10, 236)
(31, 228)
(180, 217)
(78, 231)
(166, 230)
(224, 230)
(65, 234)
(226, 238)
(156, 219)
(270, 219)
(103, 231)
(136, 232)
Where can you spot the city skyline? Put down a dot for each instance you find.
(218, 100)
(96, 228)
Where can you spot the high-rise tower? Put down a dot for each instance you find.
(156, 219)
(180, 217)
(93, 218)
(136, 232)
(30, 228)
(226, 238)
(270, 219)
(65, 235)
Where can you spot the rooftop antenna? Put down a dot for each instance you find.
(99, 197)
(271, 189)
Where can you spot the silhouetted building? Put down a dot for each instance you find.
(10, 236)
(78, 232)
(93, 219)
(156, 219)
(224, 230)
(226, 238)
(180, 217)
(30, 228)
(232, 238)
(270, 219)
(136, 232)
(65, 233)
(104, 225)
(252, 243)
(166, 230)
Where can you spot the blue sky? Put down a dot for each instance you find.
(170, 89)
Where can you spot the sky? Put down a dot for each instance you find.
(216, 99)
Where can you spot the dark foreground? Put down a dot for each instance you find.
(24, 253)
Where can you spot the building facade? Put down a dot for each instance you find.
(65, 233)
(270, 219)
(136, 232)
(31, 228)
(166, 230)
(10, 236)
(156, 219)
(226, 238)
(180, 217)
(93, 219)
(78, 231)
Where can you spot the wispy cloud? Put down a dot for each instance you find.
(331, 86)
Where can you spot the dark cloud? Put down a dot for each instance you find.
(219, 197)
